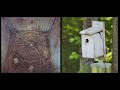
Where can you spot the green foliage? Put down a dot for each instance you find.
(75, 40)
(71, 42)
(109, 57)
(74, 55)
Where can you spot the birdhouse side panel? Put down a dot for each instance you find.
(103, 34)
(87, 46)
(98, 45)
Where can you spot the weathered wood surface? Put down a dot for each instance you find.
(87, 46)
(4, 43)
(91, 31)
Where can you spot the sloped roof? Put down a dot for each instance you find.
(91, 31)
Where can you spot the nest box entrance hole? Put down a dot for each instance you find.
(86, 40)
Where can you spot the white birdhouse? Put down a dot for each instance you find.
(93, 40)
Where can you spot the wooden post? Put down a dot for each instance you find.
(101, 67)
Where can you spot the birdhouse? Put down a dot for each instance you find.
(93, 40)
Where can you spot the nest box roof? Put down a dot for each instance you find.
(91, 31)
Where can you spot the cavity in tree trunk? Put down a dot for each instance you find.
(115, 45)
(85, 62)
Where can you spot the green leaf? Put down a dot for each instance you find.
(109, 57)
(108, 18)
(74, 55)
(71, 40)
(70, 57)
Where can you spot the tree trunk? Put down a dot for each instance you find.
(85, 62)
(115, 46)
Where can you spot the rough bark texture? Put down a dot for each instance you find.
(4, 43)
(115, 46)
(85, 62)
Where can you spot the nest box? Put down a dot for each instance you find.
(93, 40)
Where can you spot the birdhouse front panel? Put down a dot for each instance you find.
(87, 46)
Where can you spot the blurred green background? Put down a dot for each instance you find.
(71, 42)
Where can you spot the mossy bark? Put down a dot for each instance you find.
(115, 46)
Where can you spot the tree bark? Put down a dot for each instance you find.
(115, 46)
(85, 62)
